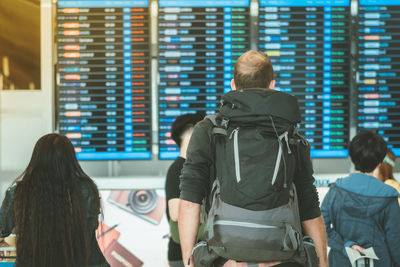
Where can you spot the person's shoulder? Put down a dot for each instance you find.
(205, 124)
(202, 128)
(176, 165)
(85, 181)
(335, 191)
(10, 194)
(393, 183)
(332, 189)
(12, 188)
(381, 189)
(366, 185)
(87, 186)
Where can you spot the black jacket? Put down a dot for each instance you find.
(7, 223)
(253, 106)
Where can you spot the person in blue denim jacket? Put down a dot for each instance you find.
(360, 211)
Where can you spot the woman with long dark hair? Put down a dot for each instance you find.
(54, 208)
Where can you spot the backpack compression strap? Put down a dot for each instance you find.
(217, 129)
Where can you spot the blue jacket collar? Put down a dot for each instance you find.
(366, 185)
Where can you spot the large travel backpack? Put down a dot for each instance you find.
(254, 215)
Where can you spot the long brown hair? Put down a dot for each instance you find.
(51, 220)
(385, 169)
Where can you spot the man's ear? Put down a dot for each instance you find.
(272, 84)
(233, 86)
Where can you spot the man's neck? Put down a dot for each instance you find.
(183, 149)
(374, 173)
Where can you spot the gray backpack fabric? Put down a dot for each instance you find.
(253, 236)
(253, 218)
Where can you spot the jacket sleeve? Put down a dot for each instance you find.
(7, 213)
(92, 215)
(392, 230)
(195, 175)
(304, 181)
(93, 212)
(335, 240)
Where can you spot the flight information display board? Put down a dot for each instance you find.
(308, 43)
(103, 83)
(199, 42)
(379, 69)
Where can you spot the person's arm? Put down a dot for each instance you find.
(315, 229)
(335, 240)
(194, 186)
(7, 213)
(189, 217)
(93, 206)
(392, 230)
(172, 188)
(310, 214)
(196, 172)
(173, 207)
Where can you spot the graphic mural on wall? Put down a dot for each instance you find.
(134, 228)
(135, 231)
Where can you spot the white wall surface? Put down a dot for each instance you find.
(24, 118)
(25, 115)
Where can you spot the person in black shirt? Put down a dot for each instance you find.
(181, 132)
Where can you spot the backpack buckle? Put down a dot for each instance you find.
(224, 123)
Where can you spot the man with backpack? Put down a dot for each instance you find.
(246, 164)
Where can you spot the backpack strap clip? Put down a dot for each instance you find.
(224, 123)
(229, 104)
(298, 138)
(217, 129)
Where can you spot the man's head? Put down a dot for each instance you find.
(183, 126)
(367, 150)
(253, 70)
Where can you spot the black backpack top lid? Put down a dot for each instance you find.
(258, 104)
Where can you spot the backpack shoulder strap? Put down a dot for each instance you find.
(217, 129)
(217, 133)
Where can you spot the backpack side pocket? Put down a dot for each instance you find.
(203, 256)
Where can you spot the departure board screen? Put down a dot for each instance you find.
(103, 78)
(379, 69)
(308, 43)
(199, 42)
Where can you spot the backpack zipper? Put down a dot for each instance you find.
(245, 224)
(235, 134)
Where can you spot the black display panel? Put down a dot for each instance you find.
(103, 83)
(199, 42)
(308, 43)
(379, 69)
